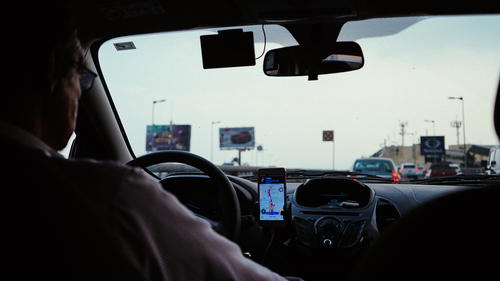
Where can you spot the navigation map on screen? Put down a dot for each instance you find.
(272, 199)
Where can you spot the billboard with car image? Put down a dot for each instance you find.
(237, 138)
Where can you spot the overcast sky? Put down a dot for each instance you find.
(408, 76)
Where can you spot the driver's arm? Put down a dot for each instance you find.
(165, 241)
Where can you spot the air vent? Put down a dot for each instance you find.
(387, 214)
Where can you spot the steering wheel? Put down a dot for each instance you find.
(229, 226)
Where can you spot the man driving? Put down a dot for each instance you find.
(86, 219)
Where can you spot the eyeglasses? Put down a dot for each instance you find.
(87, 78)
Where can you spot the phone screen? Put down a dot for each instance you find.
(272, 192)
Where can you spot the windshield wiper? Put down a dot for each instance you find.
(460, 179)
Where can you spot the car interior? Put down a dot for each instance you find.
(256, 64)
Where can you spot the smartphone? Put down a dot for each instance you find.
(272, 196)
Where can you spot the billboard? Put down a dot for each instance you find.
(432, 145)
(237, 138)
(168, 137)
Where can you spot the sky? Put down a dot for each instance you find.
(407, 77)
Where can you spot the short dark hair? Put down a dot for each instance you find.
(39, 37)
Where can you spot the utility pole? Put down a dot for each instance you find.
(403, 124)
(457, 124)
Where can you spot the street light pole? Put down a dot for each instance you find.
(463, 131)
(212, 140)
(463, 126)
(433, 126)
(153, 110)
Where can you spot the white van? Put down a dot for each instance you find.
(493, 167)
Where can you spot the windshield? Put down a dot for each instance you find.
(437, 77)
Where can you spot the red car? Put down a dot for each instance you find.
(241, 137)
(442, 170)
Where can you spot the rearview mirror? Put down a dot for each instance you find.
(301, 60)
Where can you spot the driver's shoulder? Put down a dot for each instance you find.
(91, 169)
(102, 178)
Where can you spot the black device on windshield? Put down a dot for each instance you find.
(272, 196)
(228, 48)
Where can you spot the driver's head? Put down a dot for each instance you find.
(43, 58)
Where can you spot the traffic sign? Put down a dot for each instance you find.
(328, 135)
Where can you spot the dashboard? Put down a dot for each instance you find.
(331, 213)
(329, 220)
